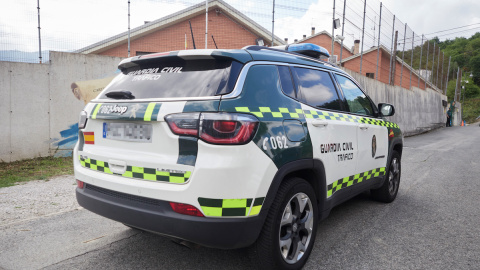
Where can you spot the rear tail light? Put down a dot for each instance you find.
(215, 128)
(184, 123)
(186, 209)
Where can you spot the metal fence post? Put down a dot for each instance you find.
(379, 28)
(443, 64)
(39, 36)
(448, 74)
(420, 66)
(426, 66)
(333, 29)
(128, 28)
(403, 54)
(411, 60)
(206, 24)
(391, 54)
(456, 85)
(438, 65)
(273, 19)
(363, 33)
(433, 59)
(343, 29)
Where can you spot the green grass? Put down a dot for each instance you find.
(34, 169)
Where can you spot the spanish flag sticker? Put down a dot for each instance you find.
(391, 135)
(89, 137)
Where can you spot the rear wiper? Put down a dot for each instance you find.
(120, 95)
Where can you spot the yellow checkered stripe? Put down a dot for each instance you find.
(354, 179)
(313, 114)
(231, 207)
(137, 172)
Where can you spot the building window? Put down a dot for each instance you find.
(371, 75)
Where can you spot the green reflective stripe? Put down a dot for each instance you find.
(95, 165)
(353, 179)
(231, 207)
(234, 203)
(138, 172)
(95, 110)
(282, 112)
(212, 211)
(149, 111)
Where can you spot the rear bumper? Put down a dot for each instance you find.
(157, 216)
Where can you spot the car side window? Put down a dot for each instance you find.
(264, 78)
(287, 82)
(316, 89)
(357, 101)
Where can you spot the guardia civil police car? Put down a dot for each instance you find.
(234, 148)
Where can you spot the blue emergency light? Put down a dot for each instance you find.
(308, 49)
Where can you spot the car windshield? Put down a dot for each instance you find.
(176, 79)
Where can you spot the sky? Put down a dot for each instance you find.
(73, 24)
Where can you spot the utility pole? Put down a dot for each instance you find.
(394, 64)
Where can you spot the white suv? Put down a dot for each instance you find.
(234, 148)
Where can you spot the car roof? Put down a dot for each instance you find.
(245, 55)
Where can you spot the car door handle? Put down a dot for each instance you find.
(363, 127)
(319, 123)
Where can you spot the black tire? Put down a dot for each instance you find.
(266, 253)
(388, 191)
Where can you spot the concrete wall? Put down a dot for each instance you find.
(416, 110)
(39, 112)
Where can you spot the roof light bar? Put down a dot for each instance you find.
(308, 49)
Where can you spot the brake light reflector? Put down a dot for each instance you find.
(186, 209)
(80, 184)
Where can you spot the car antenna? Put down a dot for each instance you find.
(191, 31)
(214, 42)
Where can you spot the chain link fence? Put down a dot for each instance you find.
(389, 50)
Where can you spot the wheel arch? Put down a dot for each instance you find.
(311, 170)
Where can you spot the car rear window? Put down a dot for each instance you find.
(177, 79)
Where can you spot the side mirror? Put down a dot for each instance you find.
(386, 109)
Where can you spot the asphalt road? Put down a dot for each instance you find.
(433, 224)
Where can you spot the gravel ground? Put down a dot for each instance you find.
(34, 199)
